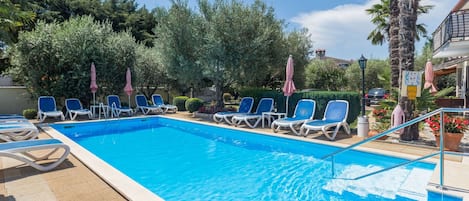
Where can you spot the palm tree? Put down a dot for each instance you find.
(385, 17)
(394, 43)
(408, 12)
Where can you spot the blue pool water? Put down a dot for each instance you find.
(180, 160)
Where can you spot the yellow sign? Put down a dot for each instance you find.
(411, 84)
(411, 92)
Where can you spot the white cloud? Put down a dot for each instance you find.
(343, 30)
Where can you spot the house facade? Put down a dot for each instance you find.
(451, 42)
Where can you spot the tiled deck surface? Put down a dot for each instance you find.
(74, 181)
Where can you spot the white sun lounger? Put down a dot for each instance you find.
(304, 111)
(116, 108)
(75, 108)
(142, 105)
(158, 101)
(245, 107)
(47, 107)
(265, 105)
(16, 131)
(20, 151)
(335, 116)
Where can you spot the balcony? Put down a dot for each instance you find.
(451, 38)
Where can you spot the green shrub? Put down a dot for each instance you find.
(226, 97)
(30, 113)
(180, 102)
(193, 104)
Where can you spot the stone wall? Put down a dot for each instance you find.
(15, 99)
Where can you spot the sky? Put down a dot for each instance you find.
(338, 26)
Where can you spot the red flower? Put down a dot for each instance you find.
(452, 124)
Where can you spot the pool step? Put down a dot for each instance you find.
(414, 187)
(390, 184)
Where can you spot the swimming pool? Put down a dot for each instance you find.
(180, 160)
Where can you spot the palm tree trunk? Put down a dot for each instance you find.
(394, 42)
(407, 32)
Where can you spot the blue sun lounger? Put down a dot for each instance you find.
(142, 105)
(335, 115)
(158, 101)
(16, 131)
(47, 108)
(75, 108)
(21, 151)
(253, 119)
(304, 111)
(12, 118)
(114, 103)
(245, 107)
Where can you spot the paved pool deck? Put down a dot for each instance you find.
(72, 180)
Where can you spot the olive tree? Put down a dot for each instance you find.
(325, 75)
(55, 58)
(149, 70)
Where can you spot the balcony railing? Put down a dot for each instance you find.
(454, 28)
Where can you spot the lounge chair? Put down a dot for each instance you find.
(265, 105)
(20, 151)
(142, 105)
(47, 108)
(335, 115)
(245, 107)
(16, 131)
(75, 108)
(114, 104)
(158, 101)
(12, 118)
(304, 111)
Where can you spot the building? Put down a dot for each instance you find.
(451, 41)
(321, 54)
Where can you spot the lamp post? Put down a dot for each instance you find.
(363, 125)
(362, 64)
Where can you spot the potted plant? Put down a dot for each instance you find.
(382, 122)
(454, 128)
(377, 128)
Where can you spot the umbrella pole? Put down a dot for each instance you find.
(129, 102)
(94, 98)
(286, 106)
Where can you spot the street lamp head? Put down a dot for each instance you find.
(362, 62)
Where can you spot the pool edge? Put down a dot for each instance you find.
(123, 184)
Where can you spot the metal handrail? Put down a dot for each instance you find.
(441, 152)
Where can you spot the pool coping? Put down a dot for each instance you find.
(123, 184)
(132, 190)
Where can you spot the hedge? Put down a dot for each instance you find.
(193, 104)
(180, 102)
(321, 98)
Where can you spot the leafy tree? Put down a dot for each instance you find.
(123, 14)
(325, 74)
(377, 74)
(12, 18)
(55, 58)
(299, 45)
(180, 42)
(227, 43)
(237, 47)
(149, 70)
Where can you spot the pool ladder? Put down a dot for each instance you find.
(441, 151)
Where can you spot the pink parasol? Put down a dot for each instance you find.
(93, 85)
(429, 77)
(289, 86)
(128, 85)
